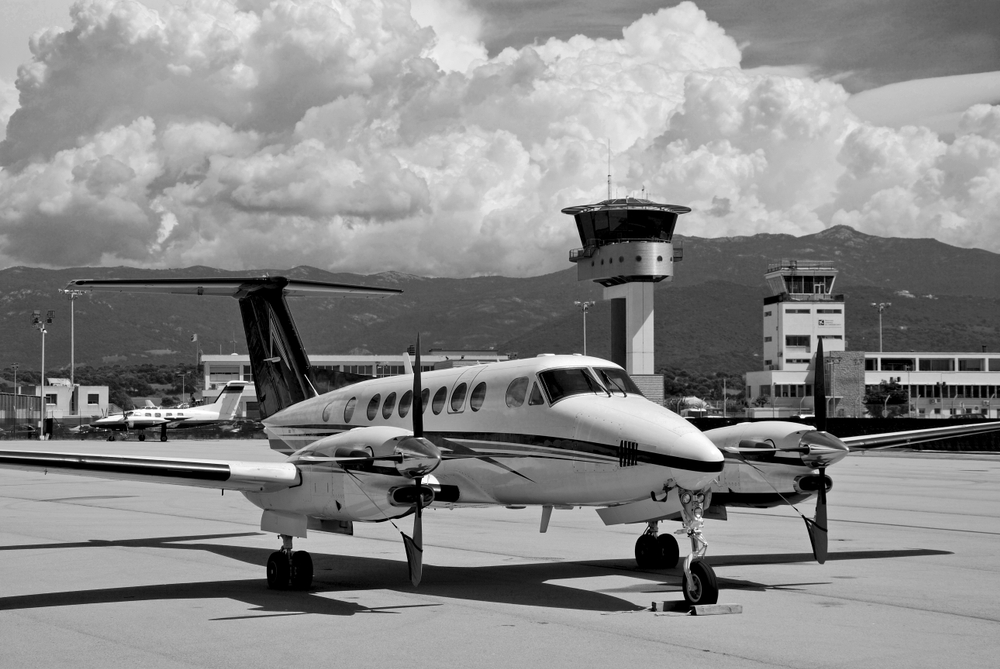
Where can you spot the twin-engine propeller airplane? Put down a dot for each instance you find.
(222, 410)
(552, 431)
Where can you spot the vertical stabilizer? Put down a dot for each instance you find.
(228, 400)
(278, 359)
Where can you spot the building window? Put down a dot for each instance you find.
(829, 311)
(797, 311)
(937, 364)
(93, 398)
(830, 337)
(797, 340)
(767, 313)
(971, 365)
(767, 339)
(765, 391)
(51, 399)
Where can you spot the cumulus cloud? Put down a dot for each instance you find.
(363, 135)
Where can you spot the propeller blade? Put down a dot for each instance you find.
(819, 388)
(418, 408)
(415, 546)
(817, 527)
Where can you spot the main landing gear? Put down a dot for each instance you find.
(660, 551)
(287, 569)
(656, 551)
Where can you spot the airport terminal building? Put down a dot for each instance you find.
(803, 309)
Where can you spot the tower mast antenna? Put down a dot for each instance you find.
(609, 168)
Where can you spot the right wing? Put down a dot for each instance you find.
(217, 474)
(864, 442)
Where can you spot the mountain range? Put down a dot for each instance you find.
(707, 319)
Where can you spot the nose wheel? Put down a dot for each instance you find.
(288, 569)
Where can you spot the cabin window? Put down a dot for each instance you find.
(458, 397)
(390, 404)
(617, 381)
(536, 396)
(349, 409)
(438, 404)
(516, 391)
(425, 399)
(562, 383)
(478, 396)
(404, 403)
(373, 406)
(326, 412)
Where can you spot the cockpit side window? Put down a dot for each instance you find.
(516, 391)
(617, 381)
(563, 383)
(536, 396)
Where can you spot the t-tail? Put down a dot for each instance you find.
(281, 371)
(228, 400)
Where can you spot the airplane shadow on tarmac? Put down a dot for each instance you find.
(522, 584)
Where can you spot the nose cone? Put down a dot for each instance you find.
(696, 461)
(821, 449)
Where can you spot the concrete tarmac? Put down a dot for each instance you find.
(97, 573)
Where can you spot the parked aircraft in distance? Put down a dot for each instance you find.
(551, 432)
(222, 410)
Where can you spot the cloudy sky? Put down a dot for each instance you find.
(442, 137)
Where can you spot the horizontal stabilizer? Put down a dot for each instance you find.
(230, 287)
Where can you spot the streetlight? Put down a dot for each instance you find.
(72, 295)
(39, 323)
(584, 307)
(14, 367)
(881, 306)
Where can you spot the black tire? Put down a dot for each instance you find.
(163, 437)
(142, 436)
(706, 587)
(669, 551)
(277, 571)
(302, 570)
(646, 552)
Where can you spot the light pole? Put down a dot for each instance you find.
(881, 306)
(39, 323)
(72, 295)
(584, 307)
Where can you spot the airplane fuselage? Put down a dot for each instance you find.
(552, 430)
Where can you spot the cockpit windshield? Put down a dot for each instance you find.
(562, 383)
(617, 381)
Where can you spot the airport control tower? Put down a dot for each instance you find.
(627, 248)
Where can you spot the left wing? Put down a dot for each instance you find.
(863, 442)
(217, 474)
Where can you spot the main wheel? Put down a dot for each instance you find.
(646, 552)
(669, 551)
(142, 436)
(277, 571)
(706, 588)
(302, 570)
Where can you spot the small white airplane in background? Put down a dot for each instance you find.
(552, 432)
(149, 417)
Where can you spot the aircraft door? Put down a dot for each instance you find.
(458, 396)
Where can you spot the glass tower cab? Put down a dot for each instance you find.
(626, 239)
(627, 248)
